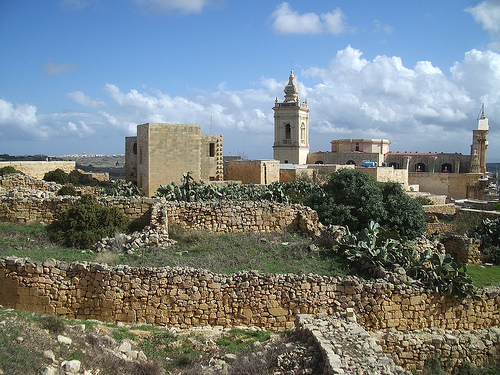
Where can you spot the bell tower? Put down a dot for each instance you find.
(480, 144)
(291, 126)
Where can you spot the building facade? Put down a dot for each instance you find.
(161, 153)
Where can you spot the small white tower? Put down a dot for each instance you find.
(480, 144)
(291, 126)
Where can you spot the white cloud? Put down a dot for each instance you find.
(85, 100)
(20, 122)
(167, 6)
(335, 22)
(414, 107)
(487, 13)
(82, 130)
(287, 21)
(53, 69)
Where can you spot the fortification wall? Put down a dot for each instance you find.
(38, 169)
(189, 297)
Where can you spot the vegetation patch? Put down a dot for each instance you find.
(86, 222)
(484, 275)
(239, 339)
(9, 170)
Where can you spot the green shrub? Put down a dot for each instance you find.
(86, 222)
(352, 198)
(58, 176)
(402, 212)
(9, 170)
(67, 190)
(424, 201)
(488, 232)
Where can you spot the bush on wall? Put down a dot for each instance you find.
(9, 170)
(488, 231)
(87, 222)
(352, 198)
(58, 176)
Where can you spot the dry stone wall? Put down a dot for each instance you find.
(189, 297)
(225, 216)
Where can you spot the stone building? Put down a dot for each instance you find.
(161, 153)
(252, 171)
(291, 126)
(452, 174)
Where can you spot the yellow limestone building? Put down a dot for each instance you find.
(161, 153)
(291, 126)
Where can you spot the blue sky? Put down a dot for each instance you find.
(79, 75)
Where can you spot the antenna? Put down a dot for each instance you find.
(210, 124)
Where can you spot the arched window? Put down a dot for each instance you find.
(446, 168)
(420, 167)
(394, 165)
(288, 131)
(319, 162)
(351, 162)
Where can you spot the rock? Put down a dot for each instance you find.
(50, 355)
(49, 370)
(64, 340)
(71, 366)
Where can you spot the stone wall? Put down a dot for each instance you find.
(463, 249)
(225, 216)
(188, 297)
(411, 349)
(440, 209)
(38, 169)
(34, 209)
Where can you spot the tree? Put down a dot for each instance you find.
(351, 198)
(86, 222)
(58, 176)
(402, 212)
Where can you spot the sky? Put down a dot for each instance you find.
(77, 76)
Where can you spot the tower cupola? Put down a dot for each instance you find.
(291, 90)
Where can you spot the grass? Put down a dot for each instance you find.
(484, 276)
(240, 339)
(25, 336)
(221, 253)
(33, 241)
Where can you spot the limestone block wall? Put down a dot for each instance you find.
(17, 181)
(411, 349)
(189, 297)
(463, 249)
(242, 216)
(225, 216)
(33, 209)
(440, 209)
(38, 169)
